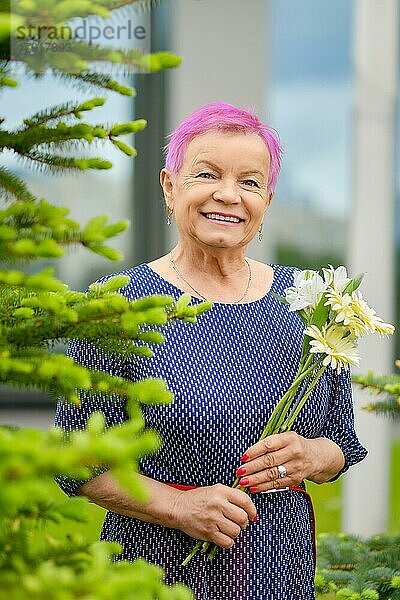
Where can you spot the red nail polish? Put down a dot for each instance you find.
(253, 488)
(241, 471)
(244, 481)
(244, 457)
(255, 519)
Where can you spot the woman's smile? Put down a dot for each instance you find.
(223, 219)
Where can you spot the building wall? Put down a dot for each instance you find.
(225, 58)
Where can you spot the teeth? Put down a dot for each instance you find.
(221, 218)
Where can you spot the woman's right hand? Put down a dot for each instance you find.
(214, 513)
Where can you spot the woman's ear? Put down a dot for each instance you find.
(167, 185)
(270, 196)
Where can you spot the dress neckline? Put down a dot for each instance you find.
(252, 302)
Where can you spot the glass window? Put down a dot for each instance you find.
(309, 103)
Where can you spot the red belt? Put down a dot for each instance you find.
(297, 488)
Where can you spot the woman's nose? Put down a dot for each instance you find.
(227, 192)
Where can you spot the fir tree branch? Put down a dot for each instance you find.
(57, 16)
(23, 141)
(55, 163)
(6, 78)
(142, 4)
(95, 80)
(12, 186)
(32, 560)
(357, 568)
(31, 230)
(12, 282)
(36, 136)
(67, 109)
(374, 382)
(45, 317)
(58, 375)
(389, 408)
(382, 384)
(82, 56)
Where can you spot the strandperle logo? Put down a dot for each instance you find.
(88, 32)
(78, 42)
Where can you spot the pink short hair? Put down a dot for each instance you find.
(220, 116)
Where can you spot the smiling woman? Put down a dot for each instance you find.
(227, 373)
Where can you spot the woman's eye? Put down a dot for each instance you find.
(205, 174)
(251, 182)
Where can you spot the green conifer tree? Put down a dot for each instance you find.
(38, 310)
(354, 569)
(387, 386)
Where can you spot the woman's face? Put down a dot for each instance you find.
(223, 175)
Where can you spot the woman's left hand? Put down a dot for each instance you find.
(259, 471)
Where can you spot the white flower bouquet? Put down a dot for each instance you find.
(335, 316)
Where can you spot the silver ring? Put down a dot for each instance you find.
(282, 471)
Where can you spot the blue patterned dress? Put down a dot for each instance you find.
(227, 373)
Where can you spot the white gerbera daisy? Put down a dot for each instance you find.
(337, 278)
(306, 292)
(341, 304)
(339, 350)
(365, 313)
(383, 328)
(369, 322)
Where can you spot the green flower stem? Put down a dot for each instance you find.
(281, 406)
(288, 397)
(213, 552)
(241, 487)
(291, 408)
(286, 426)
(192, 553)
(280, 409)
(294, 406)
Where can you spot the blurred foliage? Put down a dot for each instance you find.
(37, 310)
(327, 500)
(295, 256)
(394, 500)
(356, 569)
(387, 386)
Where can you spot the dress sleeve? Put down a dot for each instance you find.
(339, 425)
(71, 417)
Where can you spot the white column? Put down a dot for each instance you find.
(224, 49)
(371, 244)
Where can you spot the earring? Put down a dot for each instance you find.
(260, 235)
(169, 216)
